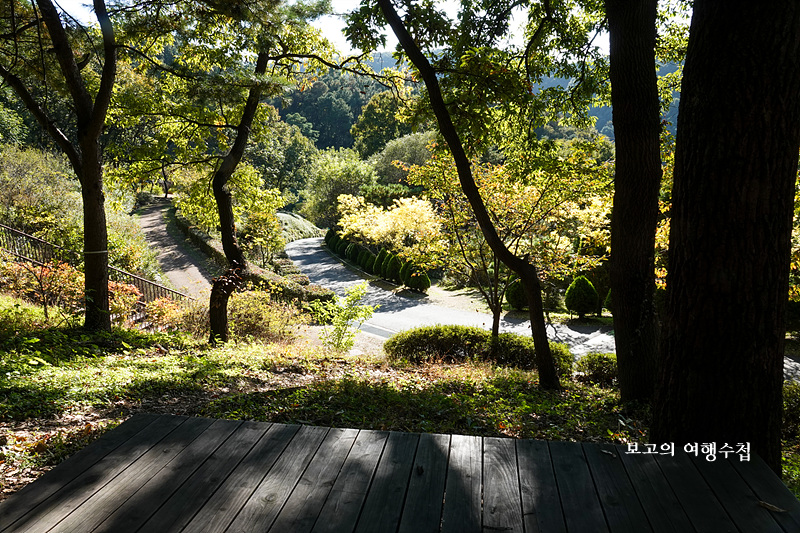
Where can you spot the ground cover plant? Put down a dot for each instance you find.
(62, 387)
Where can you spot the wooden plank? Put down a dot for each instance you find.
(386, 495)
(422, 512)
(618, 498)
(701, 506)
(769, 489)
(502, 504)
(230, 497)
(267, 500)
(541, 504)
(663, 510)
(736, 496)
(33, 494)
(305, 503)
(104, 502)
(171, 497)
(463, 490)
(73, 494)
(341, 509)
(582, 509)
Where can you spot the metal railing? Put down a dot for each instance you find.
(35, 250)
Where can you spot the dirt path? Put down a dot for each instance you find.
(183, 266)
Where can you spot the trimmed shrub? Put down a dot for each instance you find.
(329, 235)
(254, 314)
(598, 368)
(379, 259)
(369, 264)
(418, 281)
(581, 297)
(405, 272)
(318, 292)
(562, 358)
(341, 248)
(515, 296)
(300, 279)
(351, 252)
(334, 242)
(363, 254)
(393, 269)
(462, 343)
(452, 343)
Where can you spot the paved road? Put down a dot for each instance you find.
(184, 269)
(401, 312)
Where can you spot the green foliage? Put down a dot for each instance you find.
(341, 248)
(369, 263)
(333, 174)
(393, 162)
(515, 295)
(378, 124)
(405, 272)
(253, 314)
(379, 259)
(294, 227)
(351, 252)
(419, 281)
(385, 196)
(344, 314)
(581, 296)
(393, 266)
(562, 358)
(465, 343)
(598, 368)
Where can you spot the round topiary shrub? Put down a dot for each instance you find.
(329, 235)
(393, 269)
(362, 257)
(581, 297)
(379, 259)
(418, 280)
(451, 343)
(515, 295)
(598, 368)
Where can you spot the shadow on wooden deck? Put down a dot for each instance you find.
(169, 473)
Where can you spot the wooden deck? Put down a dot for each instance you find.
(167, 473)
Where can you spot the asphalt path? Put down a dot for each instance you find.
(400, 311)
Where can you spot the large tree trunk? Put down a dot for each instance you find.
(720, 375)
(528, 274)
(227, 283)
(634, 96)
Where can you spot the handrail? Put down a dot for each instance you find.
(21, 244)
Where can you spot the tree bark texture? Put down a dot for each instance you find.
(528, 274)
(637, 179)
(720, 376)
(224, 285)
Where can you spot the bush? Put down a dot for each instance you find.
(351, 252)
(318, 292)
(607, 303)
(581, 296)
(345, 316)
(419, 281)
(122, 300)
(598, 368)
(341, 248)
(384, 272)
(369, 263)
(379, 259)
(405, 272)
(329, 235)
(462, 343)
(515, 296)
(253, 314)
(562, 358)
(393, 269)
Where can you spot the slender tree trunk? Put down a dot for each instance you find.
(228, 282)
(634, 96)
(720, 377)
(528, 274)
(95, 241)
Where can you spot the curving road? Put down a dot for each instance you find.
(400, 312)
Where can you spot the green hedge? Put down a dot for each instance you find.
(598, 368)
(462, 343)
